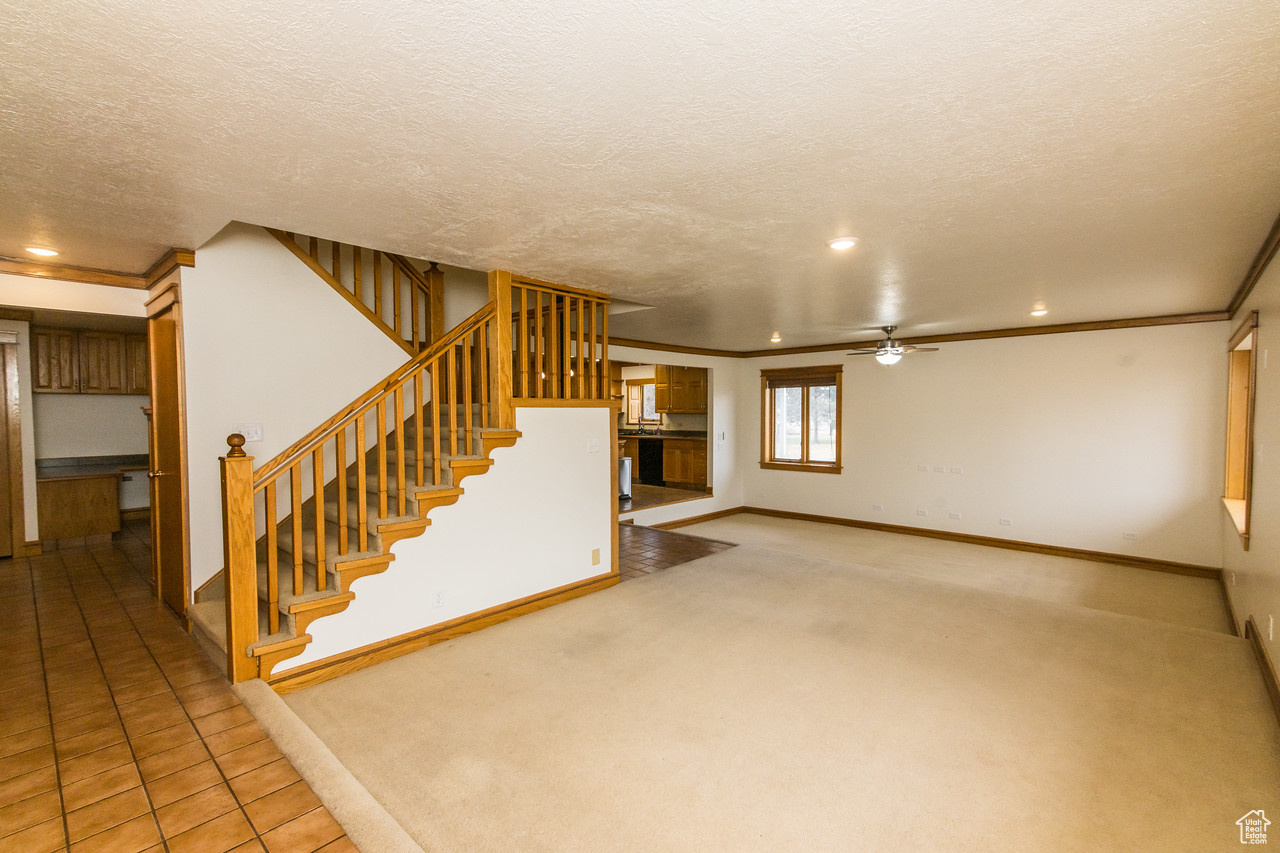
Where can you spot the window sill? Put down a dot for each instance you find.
(797, 466)
(1239, 512)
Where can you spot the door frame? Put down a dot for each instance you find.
(163, 294)
(12, 402)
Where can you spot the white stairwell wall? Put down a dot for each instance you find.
(526, 526)
(265, 341)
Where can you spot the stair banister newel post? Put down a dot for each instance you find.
(239, 550)
(500, 352)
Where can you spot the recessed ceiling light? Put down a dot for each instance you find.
(44, 253)
(1039, 311)
(777, 338)
(842, 243)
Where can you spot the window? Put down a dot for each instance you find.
(641, 408)
(800, 419)
(1242, 373)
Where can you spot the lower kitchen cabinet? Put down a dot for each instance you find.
(684, 461)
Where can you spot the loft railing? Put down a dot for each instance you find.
(560, 339)
(404, 302)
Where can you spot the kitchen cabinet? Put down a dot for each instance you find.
(78, 505)
(631, 448)
(55, 361)
(680, 389)
(684, 461)
(88, 361)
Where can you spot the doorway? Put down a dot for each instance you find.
(168, 473)
(12, 526)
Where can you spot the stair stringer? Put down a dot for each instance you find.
(525, 530)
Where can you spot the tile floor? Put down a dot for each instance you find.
(118, 734)
(645, 550)
(645, 497)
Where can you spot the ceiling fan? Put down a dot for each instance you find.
(889, 351)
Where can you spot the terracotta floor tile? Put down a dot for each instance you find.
(107, 813)
(172, 760)
(341, 845)
(47, 837)
(140, 691)
(309, 832)
(209, 704)
(29, 784)
(132, 837)
(94, 763)
(248, 757)
(281, 807)
(184, 783)
(90, 741)
(66, 729)
(21, 742)
(201, 689)
(264, 780)
(221, 720)
(159, 741)
(234, 738)
(216, 836)
(251, 846)
(24, 814)
(23, 721)
(86, 792)
(25, 762)
(176, 818)
(145, 722)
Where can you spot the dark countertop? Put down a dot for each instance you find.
(675, 433)
(81, 467)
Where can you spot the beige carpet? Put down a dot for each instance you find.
(758, 701)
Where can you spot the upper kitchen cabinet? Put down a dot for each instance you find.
(88, 361)
(680, 389)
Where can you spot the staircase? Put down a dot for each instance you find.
(301, 528)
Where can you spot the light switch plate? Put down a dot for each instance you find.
(251, 432)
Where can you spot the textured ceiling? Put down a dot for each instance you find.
(1109, 159)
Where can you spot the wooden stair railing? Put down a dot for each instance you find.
(406, 303)
(333, 502)
(560, 339)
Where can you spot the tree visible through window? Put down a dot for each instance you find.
(801, 418)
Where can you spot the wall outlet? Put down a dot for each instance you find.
(595, 556)
(437, 598)
(1271, 628)
(878, 507)
(939, 469)
(1233, 578)
(922, 512)
(593, 445)
(956, 469)
(1129, 534)
(955, 515)
(1007, 522)
(922, 467)
(251, 432)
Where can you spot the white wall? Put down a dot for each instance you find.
(465, 292)
(1075, 438)
(26, 426)
(526, 526)
(265, 341)
(1256, 572)
(724, 432)
(30, 292)
(90, 425)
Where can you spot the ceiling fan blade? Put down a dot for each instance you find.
(910, 348)
(863, 352)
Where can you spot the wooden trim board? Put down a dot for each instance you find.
(86, 275)
(1265, 664)
(1266, 252)
(357, 659)
(697, 519)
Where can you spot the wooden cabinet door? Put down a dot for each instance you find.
(698, 463)
(54, 361)
(672, 462)
(137, 367)
(662, 388)
(696, 389)
(102, 362)
(679, 389)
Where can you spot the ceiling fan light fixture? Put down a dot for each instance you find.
(840, 244)
(889, 356)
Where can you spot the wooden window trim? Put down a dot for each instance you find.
(1238, 472)
(799, 377)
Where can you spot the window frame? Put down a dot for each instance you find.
(1242, 378)
(806, 378)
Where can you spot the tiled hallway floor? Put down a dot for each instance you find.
(118, 734)
(645, 550)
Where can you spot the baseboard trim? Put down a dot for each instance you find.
(1189, 569)
(32, 549)
(1230, 605)
(344, 663)
(698, 519)
(200, 589)
(135, 514)
(1268, 668)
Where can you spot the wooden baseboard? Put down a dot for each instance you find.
(1268, 668)
(136, 513)
(374, 653)
(32, 549)
(200, 590)
(698, 519)
(1229, 604)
